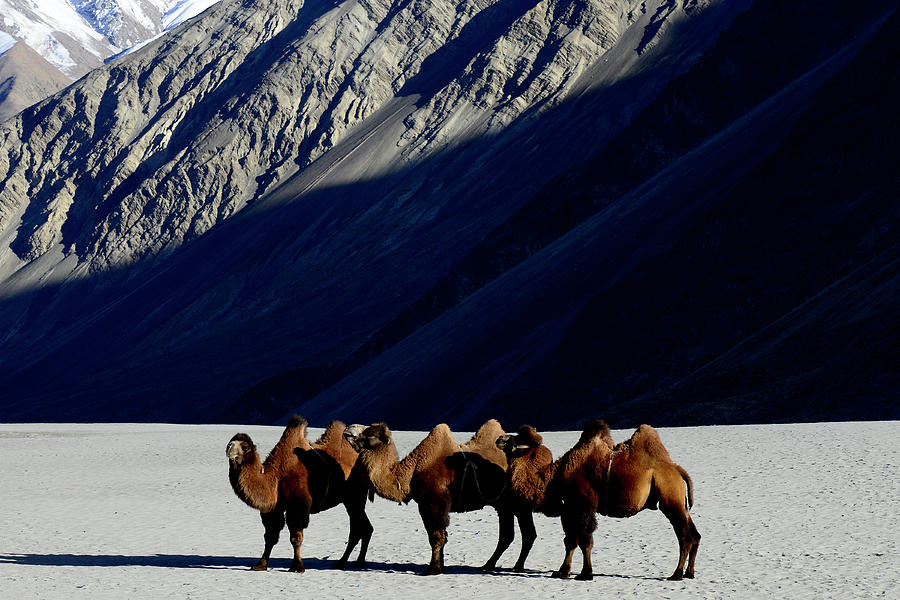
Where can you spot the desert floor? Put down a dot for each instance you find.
(146, 511)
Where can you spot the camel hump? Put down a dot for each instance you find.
(647, 440)
(294, 436)
(337, 446)
(596, 429)
(438, 444)
(487, 433)
(296, 421)
(332, 436)
(441, 436)
(440, 430)
(484, 443)
(595, 443)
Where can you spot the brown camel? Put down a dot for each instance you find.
(442, 476)
(595, 477)
(296, 479)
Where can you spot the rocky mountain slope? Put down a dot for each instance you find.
(349, 207)
(25, 78)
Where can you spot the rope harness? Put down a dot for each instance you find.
(471, 465)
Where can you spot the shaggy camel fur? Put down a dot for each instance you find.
(442, 476)
(296, 479)
(595, 477)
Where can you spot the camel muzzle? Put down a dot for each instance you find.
(352, 434)
(234, 451)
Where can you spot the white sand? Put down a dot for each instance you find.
(146, 511)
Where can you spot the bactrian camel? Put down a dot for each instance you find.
(295, 480)
(595, 477)
(441, 476)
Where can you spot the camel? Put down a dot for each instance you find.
(597, 477)
(442, 476)
(296, 479)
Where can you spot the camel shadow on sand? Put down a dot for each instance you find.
(175, 561)
(193, 561)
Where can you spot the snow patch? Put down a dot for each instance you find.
(183, 10)
(6, 42)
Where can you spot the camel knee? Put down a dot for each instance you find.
(694, 533)
(271, 537)
(529, 533)
(507, 537)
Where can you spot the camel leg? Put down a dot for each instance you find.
(366, 535)
(579, 522)
(586, 543)
(437, 538)
(360, 530)
(273, 522)
(507, 535)
(681, 523)
(435, 518)
(297, 521)
(565, 569)
(529, 535)
(695, 537)
(297, 563)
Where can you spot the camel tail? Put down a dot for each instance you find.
(690, 487)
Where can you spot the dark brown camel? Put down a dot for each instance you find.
(595, 477)
(442, 476)
(296, 479)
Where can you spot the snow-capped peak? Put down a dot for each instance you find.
(78, 35)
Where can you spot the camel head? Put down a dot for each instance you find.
(240, 449)
(362, 437)
(520, 442)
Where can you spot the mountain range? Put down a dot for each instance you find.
(673, 212)
(73, 37)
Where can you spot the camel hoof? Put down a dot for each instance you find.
(340, 565)
(489, 567)
(584, 577)
(689, 575)
(297, 568)
(676, 576)
(519, 569)
(359, 564)
(559, 575)
(259, 567)
(432, 571)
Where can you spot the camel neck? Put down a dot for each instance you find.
(255, 485)
(531, 474)
(390, 478)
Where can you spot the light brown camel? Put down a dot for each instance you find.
(296, 479)
(595, 477)
(442, 476)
